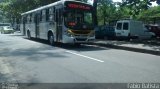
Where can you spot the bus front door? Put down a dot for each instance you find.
(37, 26)
(59, 19)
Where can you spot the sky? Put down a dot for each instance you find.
(117, 0)
(153, 3)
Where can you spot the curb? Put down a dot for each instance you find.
(128, 48)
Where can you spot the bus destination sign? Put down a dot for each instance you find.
(78, 6)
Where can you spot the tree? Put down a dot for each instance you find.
(13, 8)
(150, 14)
(103, 10)
(136, 6)
(95, 12)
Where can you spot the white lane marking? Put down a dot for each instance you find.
(85, 56)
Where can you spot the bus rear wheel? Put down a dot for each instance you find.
(51, 39)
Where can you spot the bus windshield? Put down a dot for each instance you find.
(79, 20)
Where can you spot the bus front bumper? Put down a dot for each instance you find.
(73, 40)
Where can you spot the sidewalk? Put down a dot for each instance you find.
(130, 46)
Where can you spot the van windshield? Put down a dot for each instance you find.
(125, 26)
(119, 26)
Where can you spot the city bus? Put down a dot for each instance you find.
(63, 21)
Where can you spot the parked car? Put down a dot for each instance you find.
(98, 32)
(7, 30)
(3, 24)
(132, 29)
(105, 32)
(154, 28)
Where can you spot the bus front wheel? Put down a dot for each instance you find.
(28, 35)
(51, 39)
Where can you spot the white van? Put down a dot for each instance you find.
(132, 29)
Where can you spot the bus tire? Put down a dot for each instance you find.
(28, 35)
(77, 44)
(105, 38)
(51, 39)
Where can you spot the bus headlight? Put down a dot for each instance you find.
(68, 34)
(92, 34)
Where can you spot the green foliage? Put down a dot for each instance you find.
(150, 14)
(104, 8)
(108, 11)
(13, 8)
(136, 6)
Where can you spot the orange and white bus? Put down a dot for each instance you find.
(63, 21)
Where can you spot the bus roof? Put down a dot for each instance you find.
(49, 5)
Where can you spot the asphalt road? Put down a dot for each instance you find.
(32, 61)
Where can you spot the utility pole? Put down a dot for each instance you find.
(95, 12)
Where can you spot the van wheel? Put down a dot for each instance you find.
(153, 36)
(28, 35)
(105, 38)
(77, 44)
(129, 37)
(51, 39)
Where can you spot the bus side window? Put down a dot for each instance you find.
(54, 14)
(50, 14)
(47, 14)
(60, 14)
(35, 18)
(30, 18)
(26, 18)
(33, 15)
(43, 15)
(40, 19)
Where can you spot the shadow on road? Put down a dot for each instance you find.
(35, 54)
(39, 52)
(15, 35)
(82, 47)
